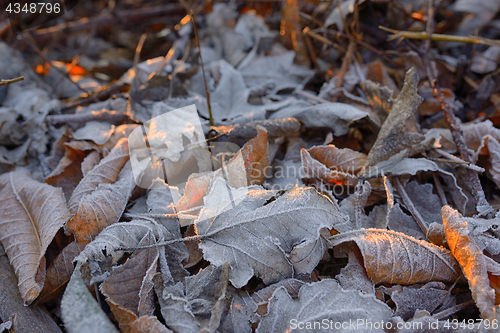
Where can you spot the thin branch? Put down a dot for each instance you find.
(439, 37)
(103, 115)
(6, 82)
(452, 310)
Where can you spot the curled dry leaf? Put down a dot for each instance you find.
(129, 290)
(31, 214)
(393, 257)
(471, 260)
(256, 157)
(320, 301)
(315, 169)
(102, 207)
(392, 137)
(104, 173)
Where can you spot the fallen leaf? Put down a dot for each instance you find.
(197, 305)
(97, 131)
(319, 302)
(129, 290)
(471, 260)
(392, 137)
(256, 157)
(31, 214)
(80, 311)
(395, 258)
(104, 173)
(380, 98)
(294, 218)
(102, 207)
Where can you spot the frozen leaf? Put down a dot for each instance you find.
(410, 299)
(60, 271)
(427, 203)
(31, 214)
(120, 132)
(90, 162)
(353, 206)
(487, 61)
(80, 311)
(494, 152)
(256, 157)
(97, 131)
(129, 290)
(263, 296)
(100, 254)
(353, 276)
(68, 171)
(398, 220)
(392, 137)
(471, 260)
(198, 305)
(102, 207)
(238, 318)
(278, 70)
(267, 233)
(345, 159)
(104, 173)
(340, 11)
(484, 232)
(393, 257)
(315, 169)
(319, 302)
(335, 116)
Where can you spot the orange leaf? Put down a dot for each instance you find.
(256, 157)
(315, 169)
(471, 260)
(31, 213)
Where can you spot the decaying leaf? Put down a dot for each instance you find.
(196, 306)
(315, 169)
(380, 98)
(104, 173)
(129, 290)
(471, 260)
(392, 137)
(102, 207)
(31, 214)
(278, 223)
(323, 301)
(256, 157)
(393, 257)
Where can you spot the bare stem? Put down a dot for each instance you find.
(6, 82)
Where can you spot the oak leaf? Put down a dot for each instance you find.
(31, 214)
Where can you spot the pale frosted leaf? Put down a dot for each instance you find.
(198, 306)
(80, 311)
(410, 299)
(353, 276)
(398, 220)
(97, 131)
(266, 232)
(471, 260)
(393, 257)
(238, 318)
(392, 137)
(319, 301)
(104, 173)
(335, 116)
(315, 169)
(90, 161)
(380, 98)
(485, 233)
(102, 207)
(31, 213)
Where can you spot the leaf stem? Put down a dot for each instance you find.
(6, 82)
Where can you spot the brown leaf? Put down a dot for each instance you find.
(104, 173)
(102, 207)
(315, 169)
(256, 157)
(68, 172)
(393, 257)
(31, 214)
(392, 137)
(129, 291)
(345, 159)
(90, 162)
(471, 260)
(59, 271)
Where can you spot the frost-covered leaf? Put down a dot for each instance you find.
(392, 137)
(198, 305)
(257, 236)
(335, 116)
(484, 232)
(104, 173)
(129, 290)
(80, 311)
(315, 169)
(97, 131)
(398, 220)
(318, 302)
(102, 207)
(31, 213)
(353, 276)
(380, 98)
(393, 257)
(339, 12)
(410, 299)
(471, 260)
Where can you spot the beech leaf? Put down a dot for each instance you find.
(31, 213)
